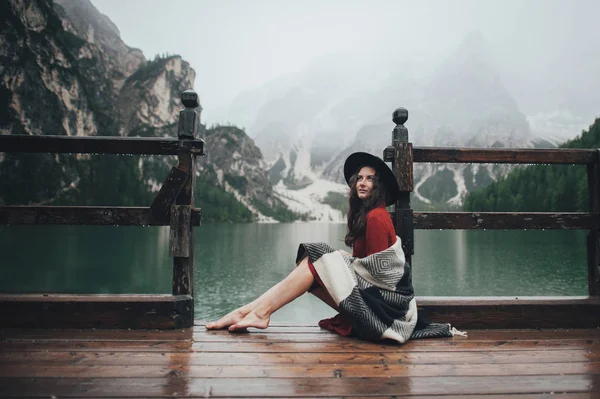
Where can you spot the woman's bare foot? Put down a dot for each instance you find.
(252, 319)
(231, 318)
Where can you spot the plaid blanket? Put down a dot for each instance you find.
(375, 292)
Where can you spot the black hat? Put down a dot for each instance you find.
(359, 159)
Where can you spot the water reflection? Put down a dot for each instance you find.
(236, 263)
(248, 259)
(84, 259)
(499, 262)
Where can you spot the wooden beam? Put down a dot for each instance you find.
(403, 170)
(168, 311)
(183, 266)
(512, 312)
(593, 255)
(506, 220)
(500, 155)
(179, 234)
(97, 145)
(403, 166)
(593, 239)
(95, 311)
(84, 215)
(161, 206)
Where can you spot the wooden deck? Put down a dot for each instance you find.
(295, 361)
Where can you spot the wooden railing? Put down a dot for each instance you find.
(173, 206)
(494, 312)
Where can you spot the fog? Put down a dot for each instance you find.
(546, 52)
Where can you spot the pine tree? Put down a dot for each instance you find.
(540, 188)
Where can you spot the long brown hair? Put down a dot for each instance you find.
(358, 208)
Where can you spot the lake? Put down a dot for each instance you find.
(237, 262)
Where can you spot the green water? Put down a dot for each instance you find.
(235, 263)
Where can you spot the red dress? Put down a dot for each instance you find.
(379, 235)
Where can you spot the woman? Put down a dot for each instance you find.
(371, 288)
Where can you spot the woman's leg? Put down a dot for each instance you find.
(238, 314)
(322, 294)
(258, 312)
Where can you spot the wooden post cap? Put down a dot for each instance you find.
(400, 116)
(188, 117)
(400, 133)
(189, 99)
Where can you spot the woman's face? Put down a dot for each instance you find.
(364, 182)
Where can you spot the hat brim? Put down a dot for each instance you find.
(359, 159)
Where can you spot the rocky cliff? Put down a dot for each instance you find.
(234, 162)
(66, 71)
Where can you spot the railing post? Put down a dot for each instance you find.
(593, 238)
(402, 165)
(183, 266)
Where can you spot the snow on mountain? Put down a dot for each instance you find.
(309, 122)
(309, 200)
(463, 104)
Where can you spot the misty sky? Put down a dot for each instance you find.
(236, 45)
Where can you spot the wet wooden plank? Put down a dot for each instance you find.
(123, 363)
(200, 334)
(359, 347)
(513, 313)
(95, 311)
(37, 370)
(320, 387)
(500, 155)
(92, 346)
(263, 359)
(98, 144)
(352, 346)
(473, 335)
(150, 335)
(85, 215)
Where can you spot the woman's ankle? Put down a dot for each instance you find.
(263, 311)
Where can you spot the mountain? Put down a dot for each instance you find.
(235, 163)
(465, 104)
(306, 131)
(305, 112)
(67, 72)
(306, 123)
